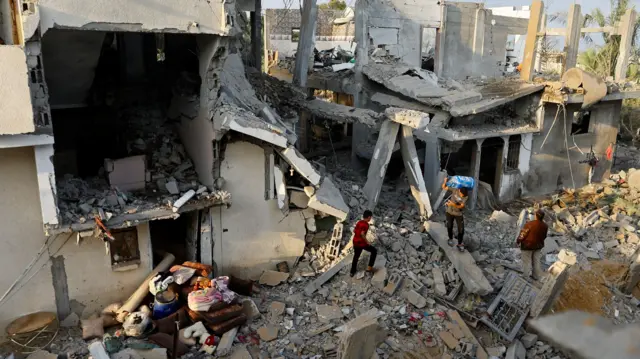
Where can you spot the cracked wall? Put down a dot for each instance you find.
(180, 16)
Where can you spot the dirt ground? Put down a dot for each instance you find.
(587, 290)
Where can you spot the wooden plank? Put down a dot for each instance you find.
(625, 29)
(457, 319)
(531, 43)
(572, 41)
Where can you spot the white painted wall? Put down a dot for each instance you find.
(16, 113)
(514, 42)
(88, 268)
(253, 234)
(126, 15)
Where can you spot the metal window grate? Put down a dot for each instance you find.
(513, 154)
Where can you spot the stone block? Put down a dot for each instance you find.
(529, 340)
(361, 336)
(416, 299)
(438, 280)
(327, 313)
(273, 278)
(226, 342)
(394, 282)
(516, 351)
(268, 333)
(448, 339)
(379, 278)
(568, 257)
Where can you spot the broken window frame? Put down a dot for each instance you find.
(126, 240)
(512, 162)
(578, 128)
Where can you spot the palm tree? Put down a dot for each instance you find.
(602, 60)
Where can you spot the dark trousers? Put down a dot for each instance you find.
(356, 256)
(460, 222)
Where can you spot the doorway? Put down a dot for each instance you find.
(491, 162)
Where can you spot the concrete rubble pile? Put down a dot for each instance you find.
(155, 174)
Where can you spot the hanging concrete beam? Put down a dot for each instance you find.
(412, 170)
(572, 41)
(256, 35)
(626, 30)
(531, 44)
(305, 45)
(380, 160)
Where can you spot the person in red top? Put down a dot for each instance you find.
(360, 243)
(531, 241)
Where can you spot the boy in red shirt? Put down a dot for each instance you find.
(360, 243)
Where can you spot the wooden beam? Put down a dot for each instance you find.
(626, 32)
(305, 44)
(531, 43)
(572, 41)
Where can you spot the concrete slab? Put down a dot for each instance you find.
(558, 274)
(589, 336)
(326, 276)
(381, 156)
(411, 118)
(127, 174)
(273, 278)
(328, 199)
(361, 336)
(281, 187)
(301, 165)
(471, 275)
(414, 172)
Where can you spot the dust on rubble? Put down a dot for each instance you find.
(587, 290)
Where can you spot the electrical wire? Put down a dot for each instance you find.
(566, 144)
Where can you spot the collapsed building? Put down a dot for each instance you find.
(143, 132)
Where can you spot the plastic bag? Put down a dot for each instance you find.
(461, 182)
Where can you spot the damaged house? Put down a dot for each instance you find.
(127, 135)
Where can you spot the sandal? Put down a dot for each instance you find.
(450, 242)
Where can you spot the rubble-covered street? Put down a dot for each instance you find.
(415, 295)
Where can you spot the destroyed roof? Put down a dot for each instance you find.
(448, 95)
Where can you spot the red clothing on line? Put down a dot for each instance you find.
(361, 228)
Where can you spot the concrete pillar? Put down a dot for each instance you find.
(432, 165)
(572, 41)
(380, 161)
(476, 157)
(632, 277)
(556, 278)
(412, 170)
(531, 44)
(478, 39)
(626, 30)
(305, 45)
(256, 34)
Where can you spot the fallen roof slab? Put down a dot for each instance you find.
(230, 117)
(410, 118)
(463, 133)
(301, 165)
(328, 199)
(471, 275)
(133, 219)
(342, 113)
(493, 102)
(589, 336)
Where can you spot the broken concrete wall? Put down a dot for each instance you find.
(195, 112)
(86, 268)
(252, 235)
(512, 182)
(396, 26)
(476, 41)
(16, 115)
(182, 16)
(550, 167)
(281, 22)
(71, 58)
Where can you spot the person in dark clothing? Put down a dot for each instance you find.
(531, 241)
(360, 243)
(455, 207)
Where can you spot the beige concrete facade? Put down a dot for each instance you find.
(90, 279)
(253, 234)
(16, 116)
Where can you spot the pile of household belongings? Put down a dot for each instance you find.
(204, 308)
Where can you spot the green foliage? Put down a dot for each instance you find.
(333, 5)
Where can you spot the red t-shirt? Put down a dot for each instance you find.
(361, 228)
